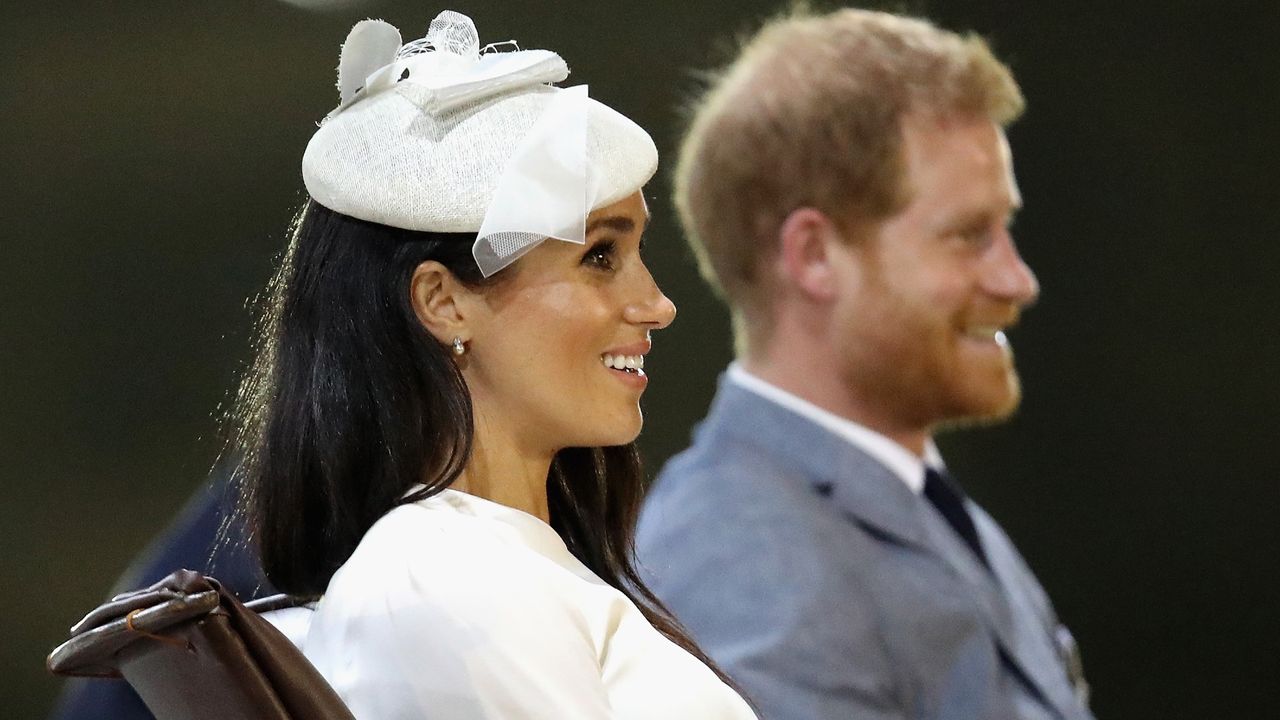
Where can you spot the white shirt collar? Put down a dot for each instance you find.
(903, 463)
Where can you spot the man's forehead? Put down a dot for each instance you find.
(961, 162)
(966, 139)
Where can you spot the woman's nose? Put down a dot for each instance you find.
(654, 309)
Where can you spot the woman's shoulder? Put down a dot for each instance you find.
(454, 598)
(442, 602)
(440, 518)
(456, 549)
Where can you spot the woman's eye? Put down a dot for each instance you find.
(600, 255)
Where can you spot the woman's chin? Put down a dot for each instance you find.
(617, 431)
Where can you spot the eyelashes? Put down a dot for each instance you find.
(603, 254)
(600, 255)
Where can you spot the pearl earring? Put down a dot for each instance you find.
(458, 347)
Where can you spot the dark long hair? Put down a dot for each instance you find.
(350, 402)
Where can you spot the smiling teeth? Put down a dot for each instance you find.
(623, 362)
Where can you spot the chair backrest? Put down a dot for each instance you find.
(193, 651)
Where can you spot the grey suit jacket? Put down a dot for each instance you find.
(828, 589)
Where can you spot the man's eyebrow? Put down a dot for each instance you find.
(617, 223)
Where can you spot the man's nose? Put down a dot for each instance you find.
(1006, 275)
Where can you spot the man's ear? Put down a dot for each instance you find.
(438, 301)
(807, 240)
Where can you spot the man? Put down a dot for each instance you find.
(848, 189)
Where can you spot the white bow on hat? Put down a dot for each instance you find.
(440, 135)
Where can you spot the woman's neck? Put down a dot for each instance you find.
(503, 471)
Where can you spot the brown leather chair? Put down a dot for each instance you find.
(193, 651)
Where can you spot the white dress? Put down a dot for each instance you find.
(458, 608)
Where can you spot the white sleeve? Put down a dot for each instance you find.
(467, 633)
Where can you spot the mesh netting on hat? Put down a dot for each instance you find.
(450, 32)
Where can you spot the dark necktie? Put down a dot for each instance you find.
(940, 490)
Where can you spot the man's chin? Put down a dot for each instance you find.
(981, 407)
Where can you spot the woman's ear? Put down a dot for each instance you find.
(437, 298)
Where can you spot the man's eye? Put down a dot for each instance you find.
(600, 255)
(976, 235)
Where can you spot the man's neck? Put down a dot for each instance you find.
(809, 376)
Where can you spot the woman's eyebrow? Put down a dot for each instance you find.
(618, 223)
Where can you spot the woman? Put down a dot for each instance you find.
(438, 430)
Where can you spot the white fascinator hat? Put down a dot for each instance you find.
(441, 135)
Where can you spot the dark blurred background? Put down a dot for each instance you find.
(150, 167)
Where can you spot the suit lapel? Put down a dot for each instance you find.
(1013, 619)
(1031, 644)
(1009, 613)
(1007, 622)
(870, 494)
(860, 487)
(946, 544)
